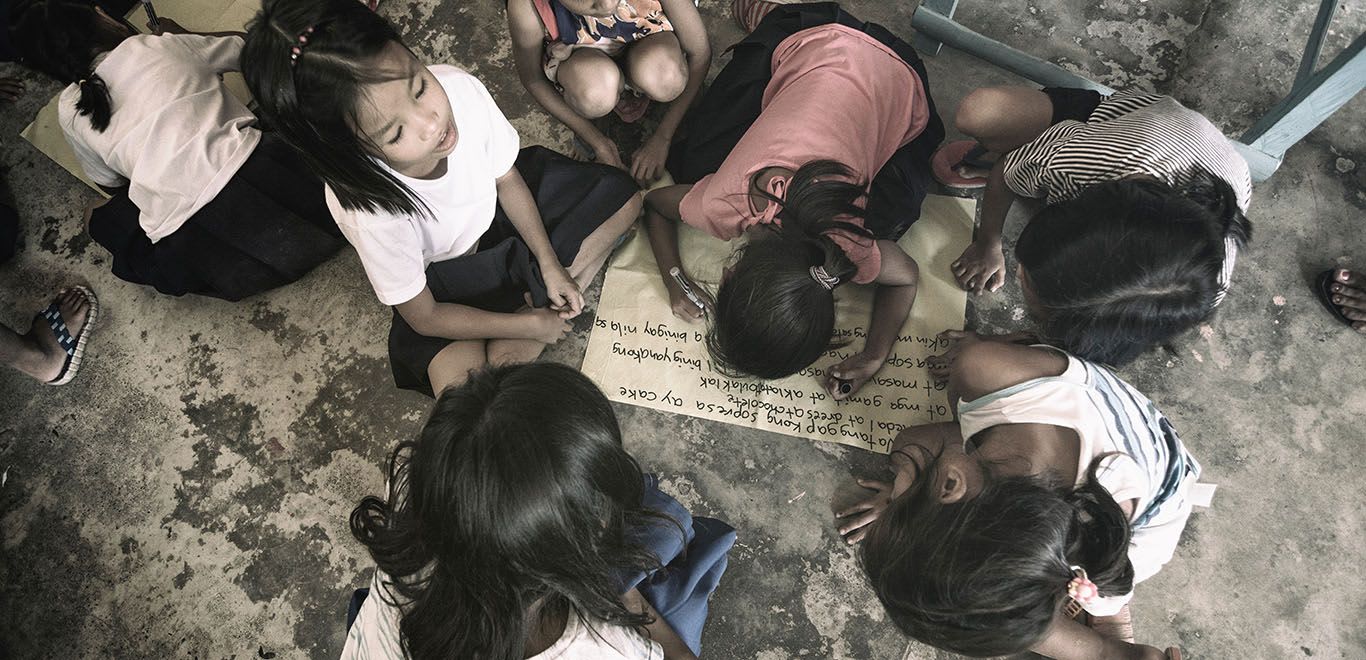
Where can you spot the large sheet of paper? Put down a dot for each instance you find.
(45, 132)
(639, 353)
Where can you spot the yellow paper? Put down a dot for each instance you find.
(639, 353)
(196, 15)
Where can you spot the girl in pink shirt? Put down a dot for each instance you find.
(822, 179)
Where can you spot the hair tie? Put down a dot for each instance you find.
(1080, 592)
(826, 280)
(302, 42)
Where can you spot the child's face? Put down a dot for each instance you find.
(408, 118)
(594, 8)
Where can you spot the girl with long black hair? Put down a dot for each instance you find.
(517, 527)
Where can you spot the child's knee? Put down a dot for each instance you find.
(662, 78)
(593, 96)
(981, 110)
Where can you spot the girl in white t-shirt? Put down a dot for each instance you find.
(1057, 490)
(508, 528)
(456, 228)
(203, 201)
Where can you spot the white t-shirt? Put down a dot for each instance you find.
(396, 249)
(375, 634)
(176, 135)
(1144, 459)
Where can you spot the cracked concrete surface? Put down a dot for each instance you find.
(187, 494)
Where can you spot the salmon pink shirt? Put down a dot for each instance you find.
(836, 94)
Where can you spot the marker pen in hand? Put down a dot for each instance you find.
(152, 20)
(687, 288)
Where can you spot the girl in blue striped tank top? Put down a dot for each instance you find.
(1058, 489)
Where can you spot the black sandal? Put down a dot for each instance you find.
(1324, 289)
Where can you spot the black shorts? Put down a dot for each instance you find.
(1072, 103)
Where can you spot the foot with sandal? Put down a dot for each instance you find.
(1343, 294)
(52, 350)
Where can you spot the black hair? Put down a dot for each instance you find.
(312, 102)
(62, 38)
(772, 317)
(517, 491)
(1130, 264)
(984, 576)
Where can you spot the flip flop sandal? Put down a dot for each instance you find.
(1324, 289)
(74, 346)
(1173, 653)
(953, 155)
(582, 150)
(631, 106)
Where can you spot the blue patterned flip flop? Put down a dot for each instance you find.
(73, 345)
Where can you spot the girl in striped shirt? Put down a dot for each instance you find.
(1059, 488)
(1145, 212)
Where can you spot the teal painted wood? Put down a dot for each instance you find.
(925, 43)
(936, 26)
(1307, 106)
(1312, 48)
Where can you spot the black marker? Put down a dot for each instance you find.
(845, 387)
(152, 20)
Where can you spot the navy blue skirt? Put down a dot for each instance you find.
(574, 199)
(268, 227)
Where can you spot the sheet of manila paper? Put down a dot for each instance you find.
(640, 354)
(45, 132)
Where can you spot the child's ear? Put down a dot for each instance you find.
(953, 485)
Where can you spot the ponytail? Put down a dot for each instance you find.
(95, 102)
(61, 38)
(985, 576)
(775, 312)
(1217, 197)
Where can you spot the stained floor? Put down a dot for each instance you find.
(187, 495)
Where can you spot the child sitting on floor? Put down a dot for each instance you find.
(1058, 489)
(203, 201)
(575, 57)
(777, 156)
(456, 227)
(1144, 217)
(516, 527)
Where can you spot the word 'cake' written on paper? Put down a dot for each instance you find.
(640, 354)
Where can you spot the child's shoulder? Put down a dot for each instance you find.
(457, 81)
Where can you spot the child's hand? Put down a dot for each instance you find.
(851, 373)
(606, 153)
(168, 26)
(547, 325)
(982, 267)
(868, 511)
(685, 309)
(11, 89)
(647, 164)
(563, 291)
(942, 365)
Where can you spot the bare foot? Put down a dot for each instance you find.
(1349, 294)
(50, 357)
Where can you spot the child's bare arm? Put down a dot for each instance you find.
(897, 284)
(983, 367)
(519, 204)
(691, 32)
(661, 224)
(982, 265)
(436, 319)
(659, 630)
(1070, 640)
(528, 49)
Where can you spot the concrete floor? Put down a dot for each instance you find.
(187, 495)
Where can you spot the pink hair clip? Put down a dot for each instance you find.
(298, 50)
(1080, 592)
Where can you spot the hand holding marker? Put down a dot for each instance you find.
(687, 289)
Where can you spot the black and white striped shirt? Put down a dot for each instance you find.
(1129, 133)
